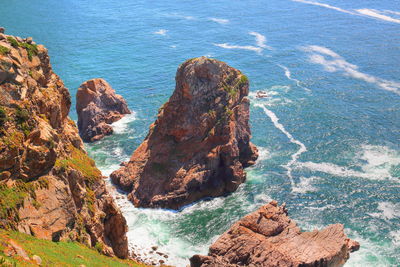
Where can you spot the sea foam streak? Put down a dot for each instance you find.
(377, 15)
(161, 32)
(278, 125)
(121, 126)
(325, 5)
(288, 75)
(333, 62)
(260, 41)
(220, 21)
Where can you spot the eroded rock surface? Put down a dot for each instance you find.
(49, 187)
(200, 142)
(268, 237)
(98, 106)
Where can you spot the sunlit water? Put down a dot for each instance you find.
(328, 134)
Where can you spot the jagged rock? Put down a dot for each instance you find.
(98, 106)
(198, 145)
(50, 188)
(268, 237)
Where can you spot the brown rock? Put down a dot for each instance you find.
(54, 190)
(2, 30)
(196, 148)
(98, 106)
(268, 237)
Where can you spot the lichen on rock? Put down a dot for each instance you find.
(200, 142)
(49, 187)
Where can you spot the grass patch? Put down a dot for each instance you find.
(3, 116)
(12, 41)
(31, 49)
(4, 50)
(81, 162)
(58, 253)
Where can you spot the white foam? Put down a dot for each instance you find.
(161, 32)
(377, 15)
(261, 40)
(306, 185)
(333, 62)
(325, 5)
(279, 126)
(243, 47)
(375, 163)
(263, 154)
(122, 126)
(219, 20)
(387, 211)
(288, 75)
(397, 13)
(395, 235)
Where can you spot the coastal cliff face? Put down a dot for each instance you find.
(98, 106)
(198, 145)
(49, 187)
(268, 237)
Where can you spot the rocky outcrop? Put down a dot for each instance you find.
(49, 187)
(98, 106)
(268, 237)
(198, 145)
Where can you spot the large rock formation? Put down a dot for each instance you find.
(49, 187)
(98, 106)
(198, 145)
(268, 237)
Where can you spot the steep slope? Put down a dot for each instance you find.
(49, 187)
(198, 145)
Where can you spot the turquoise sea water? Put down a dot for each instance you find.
(328, 135)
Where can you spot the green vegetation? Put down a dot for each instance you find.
(11, 198)
(243, 80)
(81, 162)
(3, 116)
(99, 247)
(31, 49)
(90, 200)
(21, 118)
(4, 50)
(56, 253)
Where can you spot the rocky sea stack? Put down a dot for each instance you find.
(49, 187)
(98, 106)
(200, 142)
(268, 237)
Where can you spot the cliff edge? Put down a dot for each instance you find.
(49, 187)
(200, 142)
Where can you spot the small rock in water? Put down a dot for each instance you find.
(161, 261)
(154, 247)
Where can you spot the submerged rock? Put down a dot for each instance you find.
(98, 106)
(49, 186)
(268, 237)
(200, 142)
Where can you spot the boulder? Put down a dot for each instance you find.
(268, 237)
(200, 142)
(98, 106)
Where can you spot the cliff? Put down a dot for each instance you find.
(268, 237)
(49, 187)
(200, 142)
(98, 106)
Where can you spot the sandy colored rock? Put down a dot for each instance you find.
(50, 187)
(268, 237)
(198, 146)
(98, 106)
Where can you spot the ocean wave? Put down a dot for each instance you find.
(375, 162)
(333, 62)
(279, 126)
(263, 154)
(376, 14)
(387, 211)
(219, 20)
(161, 32)
(306, 185)
(122, 126)
(288, 75)
(325, 5)
(260, 44)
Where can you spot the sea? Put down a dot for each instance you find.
(328, 132)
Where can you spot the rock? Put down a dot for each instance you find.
(196, 148)
(154, 247)
(54, 189)
(29, 40)
(18, 249)
(2, 30)
(161, 261)
(37, 259)
(98, 106)
(268, 237)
